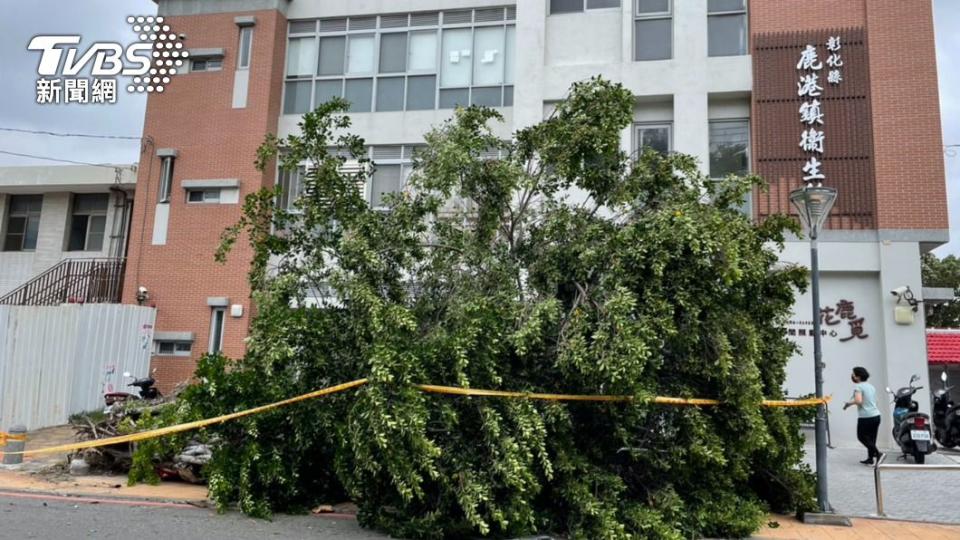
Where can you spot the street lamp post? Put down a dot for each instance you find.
(814, 204)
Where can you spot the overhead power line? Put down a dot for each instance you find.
(58, 159)
(62, 134)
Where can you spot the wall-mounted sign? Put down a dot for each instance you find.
(832, 319)
(811, 115)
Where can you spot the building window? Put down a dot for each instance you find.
(88, 220)
(727, 27)
(209, 64)
(291, 187)
(210, 195)
(730, 151)
(409, 61)
(653, 30)
(172, 348)
(246, 45)
(217, 319)
(655, 136)
(166, 179)
(23, 223)
(574, 6)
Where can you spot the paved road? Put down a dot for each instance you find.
(60, 519)
(911, 495)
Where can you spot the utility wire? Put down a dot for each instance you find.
(60, 134)
(58, 159)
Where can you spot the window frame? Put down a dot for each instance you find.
(738, 120)
(652, 16)
(25, 215)
(637, 126)
(206, 65)
(158, 343)
(219, 312)
(506, 88)
(204, 192)
(746, 27)
(89, 214)
(241, 64)
(584, 7)
(165, 186)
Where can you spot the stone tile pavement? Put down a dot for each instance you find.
(907, 495)
(863, 529)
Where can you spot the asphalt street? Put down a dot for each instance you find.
(64, 518)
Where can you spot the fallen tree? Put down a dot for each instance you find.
(563, 266)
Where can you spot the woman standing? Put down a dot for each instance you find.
(865, 398)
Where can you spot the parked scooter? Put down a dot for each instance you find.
(946, 416)
(911, 429)
(147, 387)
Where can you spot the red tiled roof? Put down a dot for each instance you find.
(943, 347)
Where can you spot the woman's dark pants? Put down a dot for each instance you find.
(867, 434)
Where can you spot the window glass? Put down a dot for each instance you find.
(653, 39)
(455, 59)
(291, 187)
(359, 92)
(332, 50)
(393, 53)
(195, 196)
(451, 98)
(300, 27)
(98, 224)
(422, 55)
(296, 98)
(653, 6)
(727, 35)
(216, 330)
(246, 37)
(165, 347)
(390, 93)
(729, 148)
(509, 52)
(386, 179)
(655, 137)
(88, 221)
(488, 55)
(421, 92)
(360, 55)
(326, 90)
(301, 57)
(489, 97)
(725, 5)
(565, 6)
(23, 222)
(508, 96)
(166, 179)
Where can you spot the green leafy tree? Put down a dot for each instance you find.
(942, 273)
(488, 273)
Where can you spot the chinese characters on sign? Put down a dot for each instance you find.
(811, 115)
(77, 90)
(831, 316)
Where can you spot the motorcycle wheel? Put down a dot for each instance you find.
(918, 457)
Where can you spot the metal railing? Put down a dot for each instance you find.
(880, 465)
(80, 281)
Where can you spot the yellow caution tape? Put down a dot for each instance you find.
(661, 400)
(179, 428)
(198, 424)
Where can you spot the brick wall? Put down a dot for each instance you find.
(908, 184)
(194, 115)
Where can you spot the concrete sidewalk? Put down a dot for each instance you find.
(863, 529)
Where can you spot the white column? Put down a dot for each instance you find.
(528, 68)
(690, 126)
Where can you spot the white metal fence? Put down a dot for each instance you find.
(59, 360)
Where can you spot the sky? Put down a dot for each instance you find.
(97, 20)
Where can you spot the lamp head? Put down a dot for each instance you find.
(813, 203)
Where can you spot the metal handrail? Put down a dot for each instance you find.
(900, 467)
(87, 280)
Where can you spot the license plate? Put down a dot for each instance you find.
(919, 435)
